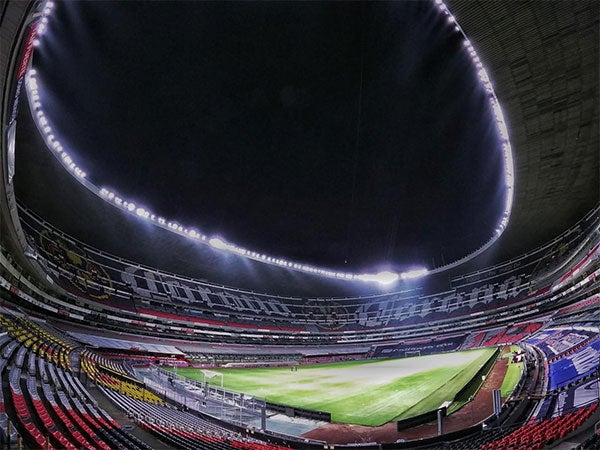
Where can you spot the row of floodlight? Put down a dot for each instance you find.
(131, 207)
(498, 115)
(43, 25)
(220, 244)
(44, 126)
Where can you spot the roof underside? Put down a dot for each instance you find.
(543, 61)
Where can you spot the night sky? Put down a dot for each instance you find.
(343, 134)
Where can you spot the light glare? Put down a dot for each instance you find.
(412, 274)
(217, 243)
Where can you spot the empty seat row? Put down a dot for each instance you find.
(536, 435)
(181, 428)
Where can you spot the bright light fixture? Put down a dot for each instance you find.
(385, 277)
(415, 273)
(218, 243)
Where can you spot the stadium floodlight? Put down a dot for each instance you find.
(218, 243)
(415, 273)
(501, 128)
(385, 277)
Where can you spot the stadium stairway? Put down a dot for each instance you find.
(125, 422)
(183, 429)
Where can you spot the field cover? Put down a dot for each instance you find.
(359, 392)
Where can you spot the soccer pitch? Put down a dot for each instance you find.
(359, 392)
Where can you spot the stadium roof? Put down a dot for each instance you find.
(542, 58)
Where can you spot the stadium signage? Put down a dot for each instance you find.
(385, 311)
(100, 277)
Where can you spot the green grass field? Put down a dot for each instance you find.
(513, 373)
(359, 392)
